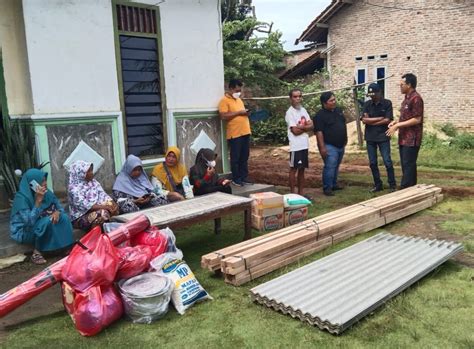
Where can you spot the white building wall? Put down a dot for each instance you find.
(71, 56)
(192, 53)
(15, 58)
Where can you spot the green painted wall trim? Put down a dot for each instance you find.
(71, 120)
(187, 115)
(194, 115)
(225, 151)
(43, 150)
(40, 127)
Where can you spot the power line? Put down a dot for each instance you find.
(419, 8)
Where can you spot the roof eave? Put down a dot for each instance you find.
(319, 26)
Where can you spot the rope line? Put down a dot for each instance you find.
(319, 92)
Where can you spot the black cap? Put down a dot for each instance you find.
(373, 88)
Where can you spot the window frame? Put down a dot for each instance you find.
(385, 91)
(159, 41)
(356, 75)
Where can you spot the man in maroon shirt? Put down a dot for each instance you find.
(410, 126)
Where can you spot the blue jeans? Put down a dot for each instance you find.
(331, 166)
(239, 156)
(387, 160)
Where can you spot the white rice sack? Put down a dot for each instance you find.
(187, 290)
(295, 201)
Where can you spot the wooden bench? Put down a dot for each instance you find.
(201, 208)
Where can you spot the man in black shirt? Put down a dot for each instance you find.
(376, 116)
(331, 135)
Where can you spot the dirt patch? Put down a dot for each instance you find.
(460, 192)
(270, 165)
(47, 303)
(428, 227)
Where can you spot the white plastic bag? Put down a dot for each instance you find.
(84, 152)
(202, 141)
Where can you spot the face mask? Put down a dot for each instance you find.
(211, 163)
(236, 95)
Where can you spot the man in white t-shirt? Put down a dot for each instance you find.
(299, 124)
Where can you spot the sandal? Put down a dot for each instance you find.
(38, 259)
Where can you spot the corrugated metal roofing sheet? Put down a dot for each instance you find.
(336, 291)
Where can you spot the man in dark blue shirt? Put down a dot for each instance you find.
(376, 116)
(331, 135)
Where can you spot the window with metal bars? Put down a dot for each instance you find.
(140, 74)
(136, 19)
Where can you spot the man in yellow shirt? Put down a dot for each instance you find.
(232, 110)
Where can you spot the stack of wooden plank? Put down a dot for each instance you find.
(245, 261)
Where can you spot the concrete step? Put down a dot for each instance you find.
(9, 247)
(246, 190)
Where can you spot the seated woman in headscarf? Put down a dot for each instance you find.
(37, 218)
(203, 174)
(133, 190)
(89, 204)
(170, 174)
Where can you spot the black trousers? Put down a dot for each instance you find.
(207, 189)
(239, 156)
(408, 157)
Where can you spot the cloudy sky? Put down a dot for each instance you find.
(289, 17)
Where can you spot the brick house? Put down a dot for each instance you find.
(433, 39)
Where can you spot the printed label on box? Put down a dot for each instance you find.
(295, 216)
(268, 223)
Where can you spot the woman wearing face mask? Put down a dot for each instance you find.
(37, 218)
(170, 174)
(89, 204)
(133, 190)
(203, 174)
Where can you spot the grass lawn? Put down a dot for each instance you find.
(436, 312)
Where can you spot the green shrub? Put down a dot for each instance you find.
(274, 130)
(18, 151)
(431, 141)
(463, 140)
(449, 130)
(270, 131)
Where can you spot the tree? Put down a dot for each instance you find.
(235, 10)
(253, 59)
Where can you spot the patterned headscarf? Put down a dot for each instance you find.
(137, 187)
(82, 194)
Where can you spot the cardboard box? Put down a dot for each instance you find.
(265, 212)
(268, 223)
(267, 204)
(296, 215)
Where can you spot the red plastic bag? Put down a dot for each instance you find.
(133, 260)
(152, 237)
(93, 310)
(92, 262)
